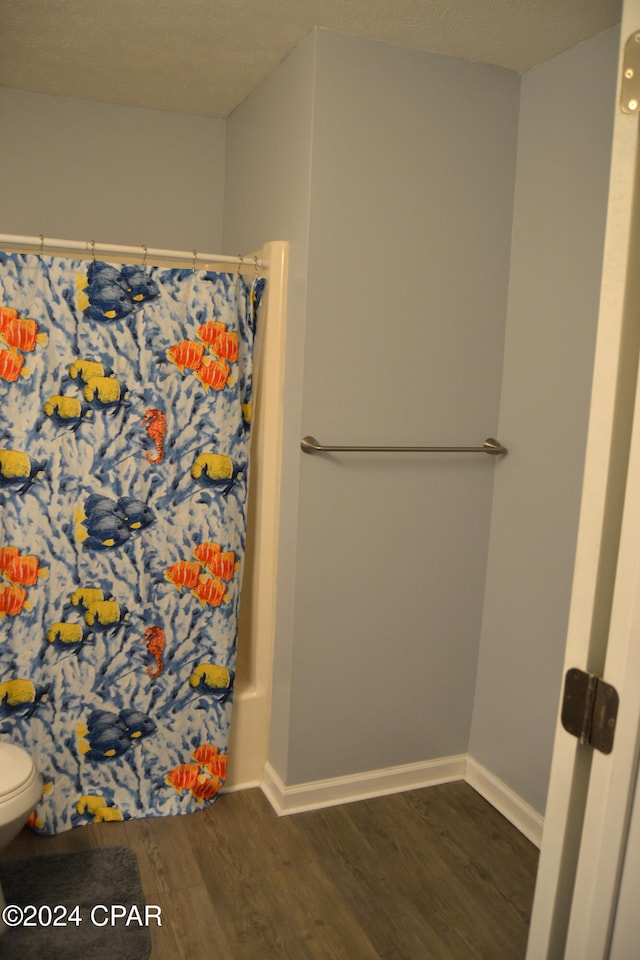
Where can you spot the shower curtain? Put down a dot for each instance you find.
(126, 415)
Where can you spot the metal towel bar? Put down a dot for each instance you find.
(311, 445)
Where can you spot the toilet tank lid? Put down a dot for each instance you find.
(16, 767)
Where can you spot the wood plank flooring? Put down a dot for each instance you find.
(431, 874)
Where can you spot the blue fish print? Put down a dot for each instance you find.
(113, 293)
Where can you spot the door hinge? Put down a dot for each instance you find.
(589, 709)
(630, 85)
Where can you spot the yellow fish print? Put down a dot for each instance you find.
(104, 612)
(216, 470)
(85, 596)
(66, 408)
(86, 370)
(65, 633)
(89, 804)
(106, 390)
(212, 679)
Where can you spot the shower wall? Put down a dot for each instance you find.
(406, 181)
(411, 193)
(79, 170)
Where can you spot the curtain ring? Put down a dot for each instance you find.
(255, 261)
(144, 258)
(195, 254)
(240, 263)
(92, 244)
(41, 244)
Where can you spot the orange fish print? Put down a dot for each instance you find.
(7, 314)
(21, 333)
(223, 565)
(183, 777)
(33, 820)
(215, 374)
(12, 366)
(218, 767)
(205, 788)
(211, 590)
(156, 428)
(155, 640)
(209, 757)
(186, 355)
(219, 563)
(223, 343)
(205, 552)
(25, 570)
(7, 554)
(210, 330)
(226, 346)
(185, 573)
(13, 600)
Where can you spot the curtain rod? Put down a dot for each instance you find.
(89, 247)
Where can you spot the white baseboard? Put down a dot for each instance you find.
(517, 811)
(377, 783)
(237, 787)
(359, 786)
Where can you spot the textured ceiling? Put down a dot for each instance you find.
(206, 56)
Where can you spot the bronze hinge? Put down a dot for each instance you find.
(589, 709)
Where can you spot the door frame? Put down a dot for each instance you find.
(589, 795)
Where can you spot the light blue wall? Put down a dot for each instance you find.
(398, 339)
(411, 206)
(77, 170)
(564, 141)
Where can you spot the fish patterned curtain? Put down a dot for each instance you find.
(126, 412)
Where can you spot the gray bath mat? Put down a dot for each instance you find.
(91, 880)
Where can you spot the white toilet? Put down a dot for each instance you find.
(20, 791)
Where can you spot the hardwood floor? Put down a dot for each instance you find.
(431, 874)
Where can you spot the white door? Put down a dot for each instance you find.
(590, 793)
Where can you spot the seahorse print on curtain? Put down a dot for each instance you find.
(124, 442)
